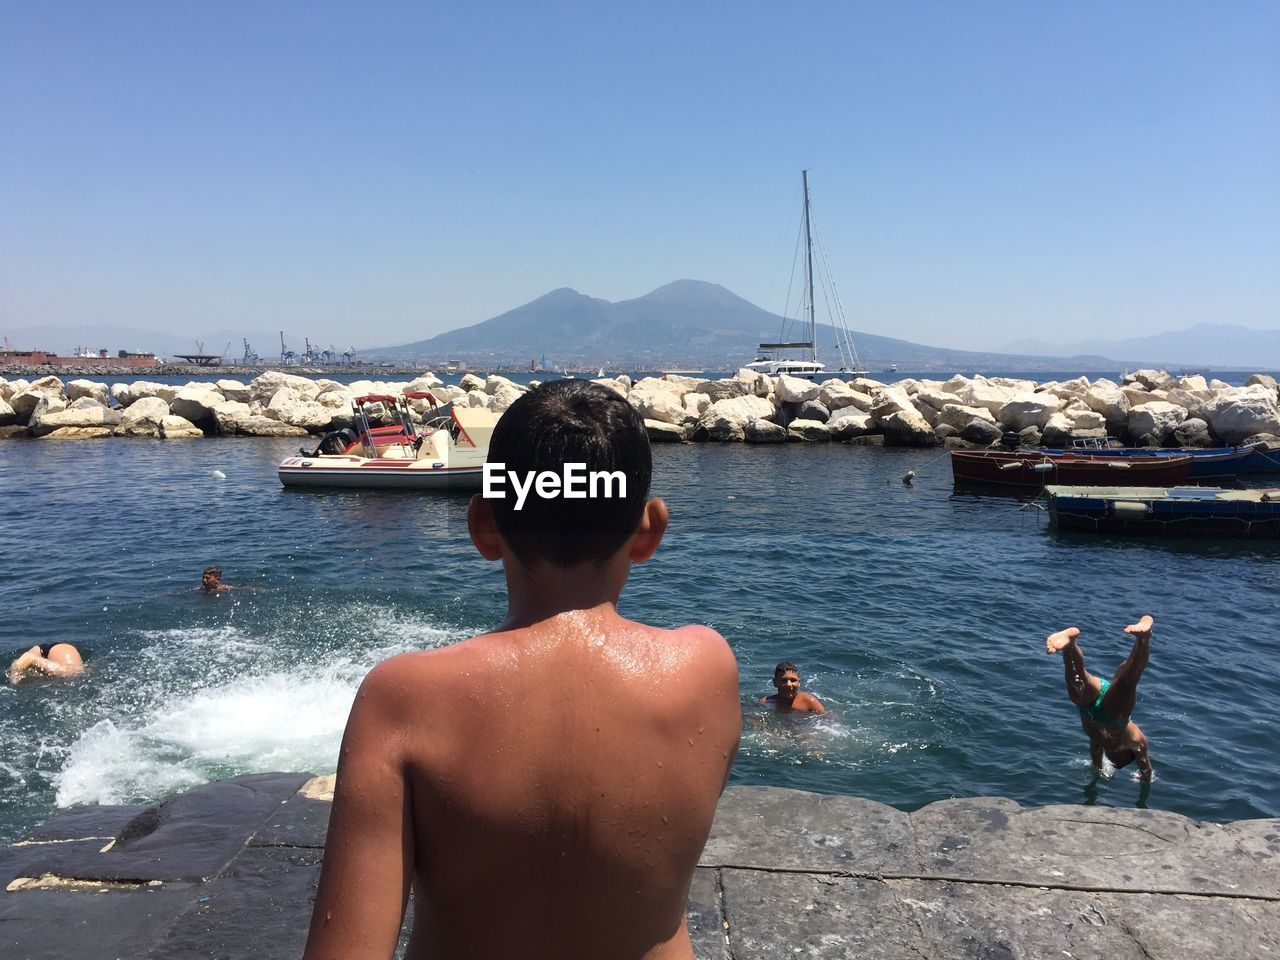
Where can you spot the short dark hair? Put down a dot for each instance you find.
(216, 571)
(571, 421)
(783, 666)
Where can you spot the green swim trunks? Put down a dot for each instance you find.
(1096, 713)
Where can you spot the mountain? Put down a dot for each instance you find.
(1205, 344)
(687, 323)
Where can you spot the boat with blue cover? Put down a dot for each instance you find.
(1207, 463)
(1167, 511)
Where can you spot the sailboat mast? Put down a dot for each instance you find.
(808, 248)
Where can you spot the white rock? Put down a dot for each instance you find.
(267, 384)
(933, 397)
(10, 387)
(661, 405)
(1085, 420)
(142, 418)
(958, 415)
(1109, 401)
(1151, 379)
(867, 385)
(25, 402)
(77, 389)
(234, 390)
(809, 430)
(725, 419)
(617, 385)
(504, 395)
(471, 382)
(287, 407)
(427, 381)
(93, 414)
(494, 383)
(726, 389)
(1157, 417)
(979, 392)
(126, 394)
(1242, 412)
(229, 415)
(662, 432)
(848, 423)
(791, 389)
(178, 428)
(1028, 410)
(447, 394)
(696, 404)
(196, 404)
(1196, 382)
(1137, 395)
(7, 416)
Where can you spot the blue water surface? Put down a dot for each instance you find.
(916, 613)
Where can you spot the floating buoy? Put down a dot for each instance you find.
(218, 475)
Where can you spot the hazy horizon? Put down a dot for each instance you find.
(981, 174)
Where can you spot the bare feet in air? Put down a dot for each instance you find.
(1142, 628)
(1056, 641)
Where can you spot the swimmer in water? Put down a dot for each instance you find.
(54, 660)
(1105, 705)
(790, 698)
(211, 581)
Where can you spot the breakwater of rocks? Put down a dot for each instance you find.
(1146, 408)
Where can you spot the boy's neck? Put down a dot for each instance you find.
(544, 590)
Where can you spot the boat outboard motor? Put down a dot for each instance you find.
(1011, 440)
(334, 442)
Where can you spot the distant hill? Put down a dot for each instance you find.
(687, 323)
(1205, 344)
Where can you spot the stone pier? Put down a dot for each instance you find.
(229, 869)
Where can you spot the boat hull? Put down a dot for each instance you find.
(1032, 469)
(1167, 512)
(1212, 463)
(360, 473)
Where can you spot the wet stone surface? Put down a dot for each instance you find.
(230, 869)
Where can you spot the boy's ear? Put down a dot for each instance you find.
(649, 531)
(483, 528)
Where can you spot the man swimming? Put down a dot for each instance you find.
(55, 660)
(541, 802)
(1105, 705)
(211, 581)
(790, 698)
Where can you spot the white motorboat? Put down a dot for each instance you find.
(447, 453)
(771, 358)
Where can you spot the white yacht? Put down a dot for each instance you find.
(772, 358)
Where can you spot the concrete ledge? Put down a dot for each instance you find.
(230, 868)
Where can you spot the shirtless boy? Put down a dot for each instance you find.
(47, 660)
(1105, 705)
(211, 581)
(790, 698)
(541, 801)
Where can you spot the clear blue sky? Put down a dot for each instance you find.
(377, 173)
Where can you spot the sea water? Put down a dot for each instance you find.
(916, 613)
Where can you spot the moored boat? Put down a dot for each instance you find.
(1207, 463)
(448, 453)
(1033, 468)
(1167, 511)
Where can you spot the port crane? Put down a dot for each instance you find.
(287, 356)
(249, 356)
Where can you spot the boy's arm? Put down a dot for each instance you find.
(369, 853)
(815, 705)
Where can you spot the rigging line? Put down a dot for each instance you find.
(839, 312)
(777, 263)
(786, 309)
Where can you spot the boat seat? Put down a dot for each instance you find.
(395, 451)
(435, 447)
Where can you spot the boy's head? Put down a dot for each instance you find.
(786, 678)
(209, 579)
(570, 422)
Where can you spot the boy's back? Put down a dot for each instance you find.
(564, 809)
